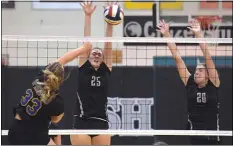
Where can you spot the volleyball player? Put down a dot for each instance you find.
(41, 104)
(94, 73)
(202, 88)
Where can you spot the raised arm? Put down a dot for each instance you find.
(213, 74)
(182, 69)
(88, 9)
(71, 55)
(108, 45)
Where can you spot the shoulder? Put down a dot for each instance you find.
(104, 68)
(191, 81)
(58, 100)
(56, 106)
(211, 84)
(86, 65)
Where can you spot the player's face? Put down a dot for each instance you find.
(96, 58)
(201, 74)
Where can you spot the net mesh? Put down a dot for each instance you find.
(39, 51)
(128, 113)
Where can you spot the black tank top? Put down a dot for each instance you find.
(203, 105)
(33, 111)
(92, 91)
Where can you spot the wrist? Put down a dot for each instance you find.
(88, 16)
(198, 35)
(109, 25)
(166, 34)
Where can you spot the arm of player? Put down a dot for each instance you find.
(88, 9)
(108, 45)
(56, 119)
(108, 48)
(182, 69)
(213, 74)
(71, 55)
(57, 140)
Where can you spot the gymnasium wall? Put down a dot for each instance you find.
(24, 19)
(138, 99)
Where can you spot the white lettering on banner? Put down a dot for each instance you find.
(113, 109)
(134, 29)
(123, 115)
(147, 27)
(187, 33)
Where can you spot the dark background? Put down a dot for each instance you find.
(162, 83)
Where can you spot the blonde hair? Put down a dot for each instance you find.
(53, 78)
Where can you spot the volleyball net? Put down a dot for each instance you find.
(132, 108)
(127, 51)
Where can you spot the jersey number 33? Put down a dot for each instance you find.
(32, 104)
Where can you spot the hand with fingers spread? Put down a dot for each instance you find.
(195, 27)
(88, 8)
(111, 3)
(163, 27)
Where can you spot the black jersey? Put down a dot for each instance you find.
(92, 91)
(203, 105)
(33, 111)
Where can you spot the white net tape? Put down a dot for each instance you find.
(139, 132)
(115, 39)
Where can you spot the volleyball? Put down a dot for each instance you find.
(113, 14)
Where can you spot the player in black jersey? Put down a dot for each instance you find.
(202, 88)
(94, 71)
(41, 104)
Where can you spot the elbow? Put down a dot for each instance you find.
(56, 119)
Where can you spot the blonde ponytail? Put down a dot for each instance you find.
(51, 85)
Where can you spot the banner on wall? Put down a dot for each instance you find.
(147, 5)
(138, 5)
(8, 4)
(142, 26)
(138, 111)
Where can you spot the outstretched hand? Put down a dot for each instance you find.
(163, 27)
(195, 27)
(88, 8)
(111, 3)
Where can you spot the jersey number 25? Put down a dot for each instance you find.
(95, 81)
(35, 105)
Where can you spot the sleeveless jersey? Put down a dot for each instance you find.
(92, 91)
(33, 111)
(203, 106)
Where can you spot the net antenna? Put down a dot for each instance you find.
(210, 25)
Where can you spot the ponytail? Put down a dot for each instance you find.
(51, 86)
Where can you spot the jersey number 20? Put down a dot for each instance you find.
(201, 97)
(36, 103)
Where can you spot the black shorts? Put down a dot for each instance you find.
(21, 133)
(90, 124)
